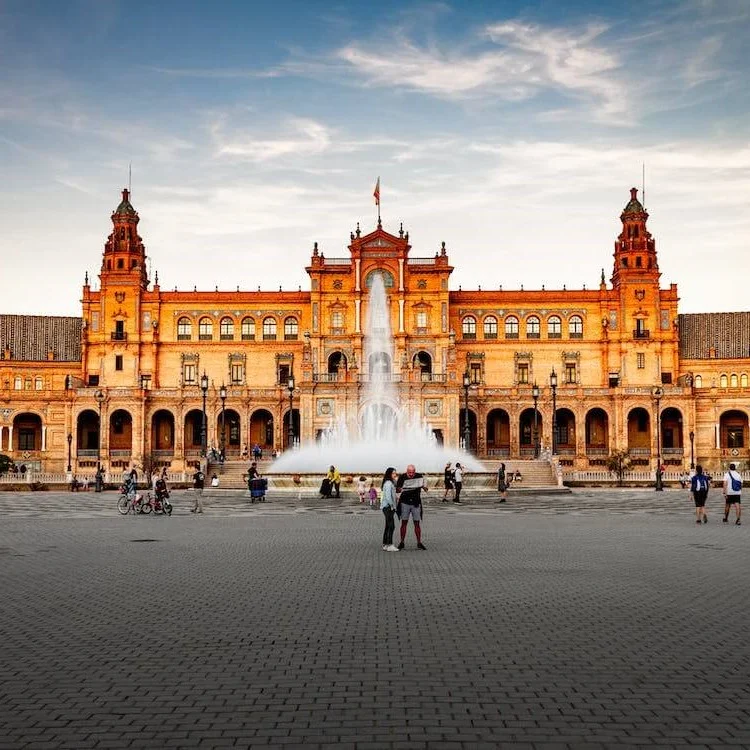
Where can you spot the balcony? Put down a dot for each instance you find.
(500, 451)
(119, 336)
(641, 333)
(597, 450)
(433, 377)
(326, 377)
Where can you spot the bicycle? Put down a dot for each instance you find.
(157, 504)
(134, 502)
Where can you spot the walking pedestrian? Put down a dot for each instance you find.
(388, 506)
(458, 474)
(502, 486)
(362, 488)
(699, 486)
(410, 486)
(372, 494)
(732, 494)
(447, 481)
(197, 490)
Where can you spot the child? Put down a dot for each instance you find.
(372, 494)
(362, 488)
(214, 481)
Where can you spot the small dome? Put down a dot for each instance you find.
(125, 208)
(634, 206)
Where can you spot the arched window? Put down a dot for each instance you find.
(723, 381)
(269, 329)
(387, 278)
(469, 327)
(291, 329)
(184, 329)
(205, 329)
(248, 329)
(743, 380)
(27, 384)
(575, 327)
(554, 327)
(511, 327)
(698, 381)
(38, 384)
(18, 383)
(733, 380)
(490, 327)
(226, 329)
(532, 327)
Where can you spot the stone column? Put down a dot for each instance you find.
(44, 438)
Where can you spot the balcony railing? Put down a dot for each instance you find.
(597, 450)
(641, 333)
(166, 453)
(120, 453)
(672, 451)
(119, 336)
(433, 377)
(639, 451)
(503, 451)
(380, 378)
(86, 453)
(325, 377)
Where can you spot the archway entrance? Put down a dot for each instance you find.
(597, 435)
(120, 438)
(498, 433)
(639, 436)
(261, 429)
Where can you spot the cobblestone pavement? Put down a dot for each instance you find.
(601, 619)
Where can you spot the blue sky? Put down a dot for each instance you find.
(512, 131)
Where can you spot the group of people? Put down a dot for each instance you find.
(367, 493)
(453, 481)
(700, 484)
(402, 496)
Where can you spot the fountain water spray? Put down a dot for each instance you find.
(389, 433)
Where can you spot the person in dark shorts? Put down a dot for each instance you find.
(410, 486)
(502, 485)
(733, 494)
(447, 481)
(699, 486)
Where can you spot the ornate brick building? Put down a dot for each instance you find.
(622, 355)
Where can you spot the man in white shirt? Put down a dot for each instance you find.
(732, 494)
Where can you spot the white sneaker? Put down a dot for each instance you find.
(391, 548)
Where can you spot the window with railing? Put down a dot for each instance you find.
(554, 327)
(184, 329)
(226, 329)
(291, 329)
(189, 374)
(533, 325)
(421, 321)
(205, 329)
(511, 327)
(469, 327)
(641, 332)
(570, 373)
(522, 373)
(248, 329)
(490, 327)
(269, 329)
(575, 327)
(337, 322)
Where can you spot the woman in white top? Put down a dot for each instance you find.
(458, 482)
(388, 506)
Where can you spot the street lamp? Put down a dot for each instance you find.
(70, 441)
(467, 431)
(535, 396)
(99, 396)
(553, 386)
(290, 386)
(204, 388)
(222, 438)
(692, 455)
(657, 393)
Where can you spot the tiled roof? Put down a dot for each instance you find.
(31, 337)
(727, 333)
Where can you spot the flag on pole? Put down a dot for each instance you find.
(377, 192)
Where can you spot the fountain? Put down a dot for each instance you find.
(390, 433)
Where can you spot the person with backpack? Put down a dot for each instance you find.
(732, 493)
(699, 486)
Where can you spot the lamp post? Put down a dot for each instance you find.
(70, 442)
(204, 388)
(535, 396)
(553, 386)
(692, 455)
(99, 396)
(222, 438)
(657, 393)
(290, 386)
(467, 430)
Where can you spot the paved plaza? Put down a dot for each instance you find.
(599, 619)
